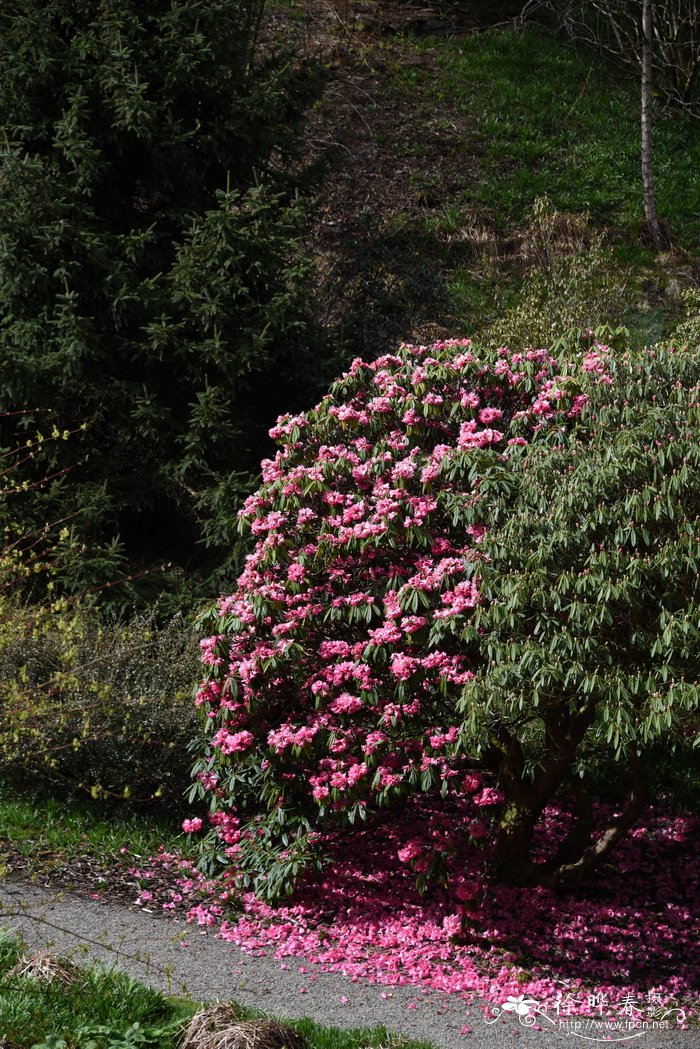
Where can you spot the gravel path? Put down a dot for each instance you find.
(180, 959)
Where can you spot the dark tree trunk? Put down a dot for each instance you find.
(511, 860)
(658, 235)
(579, 837)
(578, 855)
(574, 872)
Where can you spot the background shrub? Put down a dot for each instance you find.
(572, 282)
(94, 704)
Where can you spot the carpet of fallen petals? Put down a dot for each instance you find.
(631, 933)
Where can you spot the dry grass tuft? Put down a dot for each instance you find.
(553, 235)
(221, 1027)
(44, 966)
(7, 1043)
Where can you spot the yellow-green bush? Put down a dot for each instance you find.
(571, 282)
(87, 700)
(103, 706)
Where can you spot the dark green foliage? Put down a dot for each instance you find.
(591, 627)
(151, 282)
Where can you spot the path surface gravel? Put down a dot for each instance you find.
(180, 959)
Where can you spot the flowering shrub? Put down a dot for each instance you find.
(473, 574)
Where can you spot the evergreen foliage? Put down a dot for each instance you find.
(151, 281)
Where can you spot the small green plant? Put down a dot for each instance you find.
(106, 1036)
(571, 281)
(687, 331)
(96, 1009)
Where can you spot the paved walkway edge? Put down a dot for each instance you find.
(181, 960)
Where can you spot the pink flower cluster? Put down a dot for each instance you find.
(335, 668)
(596, 361)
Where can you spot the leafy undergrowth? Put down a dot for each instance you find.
(96, 1008)
(634, 929)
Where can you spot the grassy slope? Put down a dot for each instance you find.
(434, 152)
(551, 120)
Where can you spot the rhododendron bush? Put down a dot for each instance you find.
(474, 574)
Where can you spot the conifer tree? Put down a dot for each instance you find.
(151, 282)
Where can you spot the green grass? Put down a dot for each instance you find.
(50, 831)
(543, 118)
(525, 117)
(33, 1011)
(105, 1009)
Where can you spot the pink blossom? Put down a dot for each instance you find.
(232, 743)
(346, 704)
(410, 851)
(490, 415)
(192, 826)
(403, 666)
(488, 796)
(452, 925)
(477, 829)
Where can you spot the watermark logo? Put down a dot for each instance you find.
(631, 1017)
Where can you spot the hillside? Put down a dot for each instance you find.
(439, 130)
